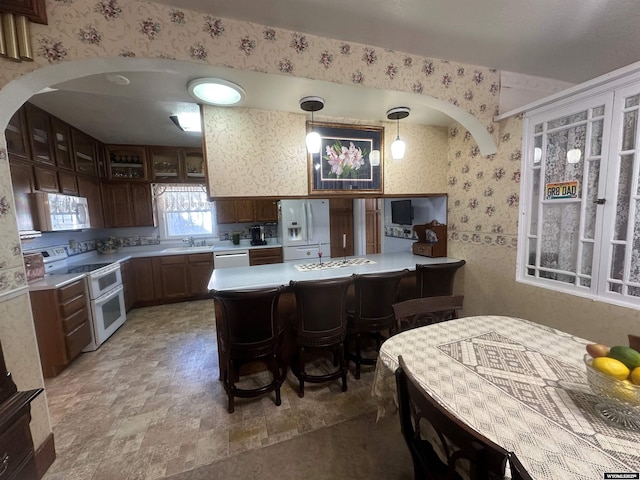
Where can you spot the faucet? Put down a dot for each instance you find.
(191, 241)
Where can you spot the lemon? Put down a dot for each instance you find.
(635, 376)
(610, 366)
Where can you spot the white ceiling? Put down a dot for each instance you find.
(569, 40)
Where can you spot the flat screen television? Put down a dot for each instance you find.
(402, 212)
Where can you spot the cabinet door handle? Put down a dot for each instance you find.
(4, 463)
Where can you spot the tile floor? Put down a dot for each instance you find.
(148, 404)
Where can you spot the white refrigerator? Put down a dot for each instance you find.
(303, 229)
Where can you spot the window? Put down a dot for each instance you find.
(184, 211)
(579, 211)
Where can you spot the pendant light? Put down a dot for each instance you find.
(312, 104)
(398, 146)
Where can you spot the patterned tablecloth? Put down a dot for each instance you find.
(521, 384)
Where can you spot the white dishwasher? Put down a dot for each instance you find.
(231, 258)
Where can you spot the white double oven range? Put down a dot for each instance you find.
(105, 293)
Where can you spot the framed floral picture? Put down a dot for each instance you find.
(350, 159)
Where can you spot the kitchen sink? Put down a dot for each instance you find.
(204, 248)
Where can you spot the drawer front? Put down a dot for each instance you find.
(73, 321)
(69, 291)
(16, 446)
(70, 307)
(77, 340)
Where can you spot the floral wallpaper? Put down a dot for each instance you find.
(483, 190)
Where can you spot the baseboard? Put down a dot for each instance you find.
(45, 456)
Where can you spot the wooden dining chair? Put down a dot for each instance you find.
(441, 445)
(634, 342)
(434, 280)
(371, 314)
(320, 325)
(425, 311)
(518, 472)
(249, 331)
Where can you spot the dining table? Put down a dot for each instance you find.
(521, 384)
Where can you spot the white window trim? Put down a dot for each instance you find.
(621, 86)
(162, 224)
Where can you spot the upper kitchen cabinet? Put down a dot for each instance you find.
(17, 138)
(177, 165)
(126, 162)
(39, 129)
(61, 137)
(23, 187)
(127, 204)
(246, 210)
(89, 188)
(84, 148)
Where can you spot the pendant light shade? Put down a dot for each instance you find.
(398, 146)
(312, 104)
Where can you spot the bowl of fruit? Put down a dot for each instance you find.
(613, 375)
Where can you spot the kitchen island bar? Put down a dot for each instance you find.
(263, 276)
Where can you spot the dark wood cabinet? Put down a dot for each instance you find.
(373, 225)
(128, 284)
(46, 179)
(17, 138)
(246, 210)
(265, 210)
(177, 165)
(127, 204)
(126, 162)
(39, 130)
(17, 456)
(143, 280)
(68, 183)
(200, 266)
(34, 10)
(265, 256)
(84, 153)
(22, 182)
(170, 277)
(61, 136)
(62, 327)
(89, 188)
(341, 223)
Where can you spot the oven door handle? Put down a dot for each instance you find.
(105, 271)
(104, 298)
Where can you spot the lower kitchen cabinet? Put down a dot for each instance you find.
(171, 278)
(265, 256)
(128, 284)
(62, 325)
(200, 268)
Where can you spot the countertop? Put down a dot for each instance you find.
(126, 253)
(263, 276)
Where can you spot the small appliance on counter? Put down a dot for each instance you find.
(257, 235)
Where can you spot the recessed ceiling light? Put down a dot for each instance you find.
(216, 91)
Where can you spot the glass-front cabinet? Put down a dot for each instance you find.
(580, 201)
(126, 162)
(176, 164)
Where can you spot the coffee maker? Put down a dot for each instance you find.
(257, 235)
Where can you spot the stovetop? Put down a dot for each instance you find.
(80, 268)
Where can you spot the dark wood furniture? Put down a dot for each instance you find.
(246, 210)
(417, 312)
(62, 326)
(371, 313)
(518, 472)
(432, 245)
(249, 330)
(265, 256)
(435, 280)
(17, 456)
(440, 444)
(341, 223)
(634, 341)
(320, 325)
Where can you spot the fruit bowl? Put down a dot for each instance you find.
(620, 400)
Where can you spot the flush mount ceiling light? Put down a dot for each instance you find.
(215, 91)
(312, 104)
(187, 122)
(398, 146)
